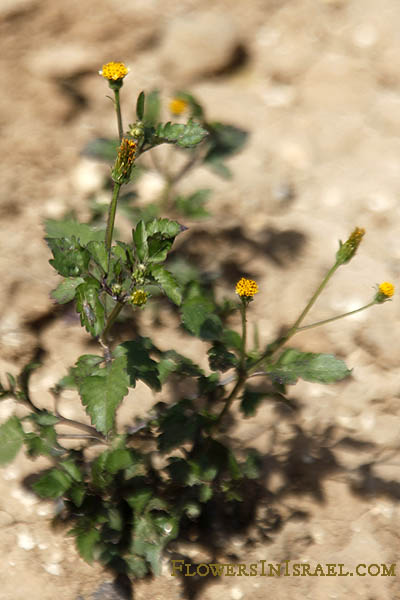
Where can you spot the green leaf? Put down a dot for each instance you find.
(252, 467)
(100, 477)
(118, 460)
(139, 363)
(139, 499)
(250, 401)
(65, 291)
(199, 318)
(45, 443)
(205, 493)
(178, 425)
(168, 283)
(86, 542)
(52, 484)
(224, 141)
(102, 394)
(102, 149)
(70, 259)
(68, 228)
(152, 109)
(320, 368)
(140, 106)
(89, 307)
(183, 135)
(220, 359)
(172, 361)
(137, 566)
(193, 204)
(98, 252)
(140, 240)
(232, 339)
(70, 466)
(77, 494)
(11, 440)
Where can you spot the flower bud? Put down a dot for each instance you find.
(138, 298)
(385, 292)
(121, 172)
(349, 248)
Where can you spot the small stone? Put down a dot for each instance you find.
(53, 568)
(25, 540)
(236, 593)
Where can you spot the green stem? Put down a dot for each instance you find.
(110, 322)
(318, 323)
(275, 346)
(119, 116)
(111, 220)
(242, 375)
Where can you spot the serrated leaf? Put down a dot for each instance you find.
(65, 291)
(168, 283)
(199, 318)
(178, 425)
(118, 460)
(102, 394)
(77, 494)
(166, 227)
(183, 135)
(86, 543)
(139, 363)
(139, 499)
(137, 566)
(44, 418)
(11, 440)
(70, 258)
(232, 339)
(140, 106)
(52, 484)
(224, 141)
(98, 252)
(68, 228)
(315, 367)
(89, 307)
(70, 466)
(193, 204)
(102, 149)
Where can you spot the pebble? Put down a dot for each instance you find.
(25, 540)
(236, 593)
(53, 568)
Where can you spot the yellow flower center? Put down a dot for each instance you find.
(177, 106)
(114, 71)
(246, 287)
(387, 289)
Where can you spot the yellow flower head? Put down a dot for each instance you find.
(246, 287)
(125, 160)
(387, 289)
(138, 298)
(114, 71)
(177, 106)
(349, 248)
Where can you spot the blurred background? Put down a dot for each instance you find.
(316, 84)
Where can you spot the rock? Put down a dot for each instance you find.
(197, 45)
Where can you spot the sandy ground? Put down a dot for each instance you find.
(317, 85)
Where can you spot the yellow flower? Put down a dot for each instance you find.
(177, 106)
(138, 298)
(246, 287)
(114, 71)
(124, 162)
(348, 249)
(387, 289)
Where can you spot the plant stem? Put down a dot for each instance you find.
(111, 220)
(318, 323)
(110, 322)
(242, 375)
(275, 346)
(119, 116)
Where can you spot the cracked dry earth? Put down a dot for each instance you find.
(317, 85)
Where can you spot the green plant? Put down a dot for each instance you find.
(145, 483)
